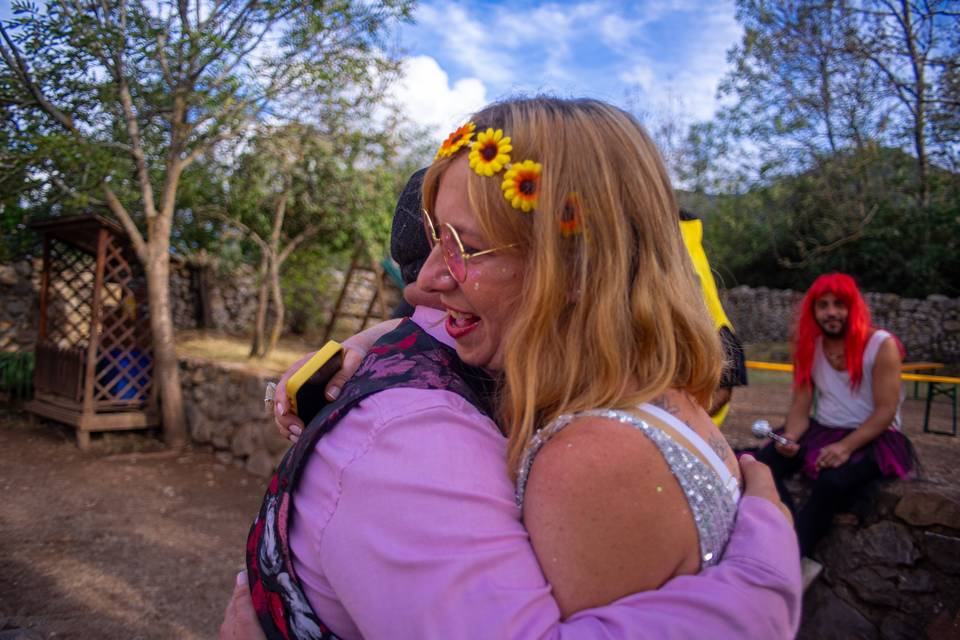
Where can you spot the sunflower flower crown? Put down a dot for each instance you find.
(490, 154)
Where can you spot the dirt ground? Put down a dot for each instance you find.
(102, 544)
(129, 541)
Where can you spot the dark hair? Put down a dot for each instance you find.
(408, 241)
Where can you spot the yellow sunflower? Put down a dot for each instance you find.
(490, 152)
(521, 185)
(570, 216)
(455, 141)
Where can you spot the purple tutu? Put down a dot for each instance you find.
(892, 451)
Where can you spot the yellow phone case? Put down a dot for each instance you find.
(305, 387)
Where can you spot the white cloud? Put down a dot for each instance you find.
(428, 99)
(469, 42)
(658, 50)
(615, 30)
(687, 79)
(702, 71)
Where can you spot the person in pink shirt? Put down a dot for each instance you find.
(404, 521)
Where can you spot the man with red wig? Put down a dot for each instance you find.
(848, 371)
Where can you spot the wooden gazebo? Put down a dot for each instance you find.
(94, 361)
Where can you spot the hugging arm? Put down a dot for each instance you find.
(753, 592)
(468, 570)
(355, 348)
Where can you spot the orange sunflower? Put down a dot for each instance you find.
(490, 152)
(455, 141)
(570, 216)
(521, 185)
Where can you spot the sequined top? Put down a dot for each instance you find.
(711, 490)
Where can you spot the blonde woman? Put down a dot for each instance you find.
(557, 259)
(587, 304)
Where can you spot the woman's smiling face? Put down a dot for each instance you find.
(481, 308)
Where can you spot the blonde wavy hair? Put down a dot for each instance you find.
(611, 316)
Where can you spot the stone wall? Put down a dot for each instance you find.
(201, 297)
(19, 307)
(929, 329)
(231, 299)
(225, 410)
(895, 575)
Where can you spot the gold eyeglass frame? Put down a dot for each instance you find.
(434, 239)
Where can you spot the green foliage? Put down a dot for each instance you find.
(199, 75)
(16, 373)
(768, 236)
(835, 149)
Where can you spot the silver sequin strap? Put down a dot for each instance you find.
(713, 505)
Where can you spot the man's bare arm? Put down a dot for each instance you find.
(886, 397)
(798, 418)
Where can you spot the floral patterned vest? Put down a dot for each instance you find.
(406, 357)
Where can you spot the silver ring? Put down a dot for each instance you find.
(268, 393)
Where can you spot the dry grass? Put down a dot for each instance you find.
(205, 345)
(768, 351)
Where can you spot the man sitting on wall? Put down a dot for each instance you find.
(849, 372)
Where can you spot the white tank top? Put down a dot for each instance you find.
(837, 405)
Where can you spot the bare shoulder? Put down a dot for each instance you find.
(591, 444)
(594, 456)
(594, 492)
(685, 409)
(889, 352)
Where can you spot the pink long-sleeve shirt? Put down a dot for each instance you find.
(405, 526)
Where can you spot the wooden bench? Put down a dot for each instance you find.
(915, 367)
(936, 385)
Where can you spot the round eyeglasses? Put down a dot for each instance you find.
(451, 247)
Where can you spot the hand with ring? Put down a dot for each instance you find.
(268, 394)
(355, 349)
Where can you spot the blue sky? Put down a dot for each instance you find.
(658, 56)
(654, 55)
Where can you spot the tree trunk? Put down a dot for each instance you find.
(278, 308)
(273, 253)
(257, 345)
(166, 371)
(918, 64)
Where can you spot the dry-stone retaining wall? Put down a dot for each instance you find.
(895, 575)
(225, 410)
(929, 329)
(19, 308)
(232, 301)
(228, 302)
(232, 298)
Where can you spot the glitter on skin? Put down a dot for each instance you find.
(714, 507)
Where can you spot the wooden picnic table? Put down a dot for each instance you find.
(919, 366)
(936, 385)
(906, 367)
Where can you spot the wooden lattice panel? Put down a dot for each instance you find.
(70, 295)
(124, 370)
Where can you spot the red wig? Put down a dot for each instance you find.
(858, 327)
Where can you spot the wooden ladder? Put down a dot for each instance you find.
(356, 291)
